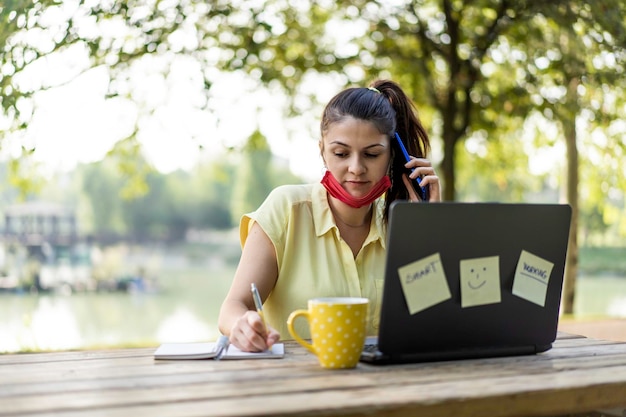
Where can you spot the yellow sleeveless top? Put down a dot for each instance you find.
(313, 260)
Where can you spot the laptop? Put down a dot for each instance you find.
(470, 280)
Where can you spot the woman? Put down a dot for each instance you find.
(328, 239)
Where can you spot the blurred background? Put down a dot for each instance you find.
(134, 135)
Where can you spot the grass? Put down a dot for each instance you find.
(602, 260)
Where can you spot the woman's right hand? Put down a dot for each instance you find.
(250, 335)
(422, 168)
(238, 317)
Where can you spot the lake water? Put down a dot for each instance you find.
(185, 309)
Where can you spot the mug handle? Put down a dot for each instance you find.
(290, 322)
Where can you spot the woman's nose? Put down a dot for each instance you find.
(357, 166)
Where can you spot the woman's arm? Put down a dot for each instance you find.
(238, 318)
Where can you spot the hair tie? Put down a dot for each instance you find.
(374, 89)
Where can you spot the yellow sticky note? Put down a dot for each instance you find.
(480, 281)
(531, 278)
(424, 283)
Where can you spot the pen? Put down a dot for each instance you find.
(257, 303)
(222, 346)
(424, 192)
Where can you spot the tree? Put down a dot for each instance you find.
(212, 183)
(101, 183)
(441, 51)
(563, 75)
(466, 42)
(252, 181)
(472, 68)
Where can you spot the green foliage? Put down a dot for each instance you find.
(21, 177)
(477, 70)
(174, 203)
(252, 181)
(598, 260)
(213, 183)
(126, 154)
(101, 185)
(493, 170)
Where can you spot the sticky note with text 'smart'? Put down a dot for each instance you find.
(424, 283)
(531, 278)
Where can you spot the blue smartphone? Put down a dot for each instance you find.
(422, 192)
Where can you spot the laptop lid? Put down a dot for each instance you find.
(472, 277)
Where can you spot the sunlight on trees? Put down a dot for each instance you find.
(501, 85)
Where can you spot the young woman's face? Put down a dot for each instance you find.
(357, 154)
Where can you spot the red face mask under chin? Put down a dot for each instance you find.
(336, 190)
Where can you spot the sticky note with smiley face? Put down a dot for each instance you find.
(480, 281)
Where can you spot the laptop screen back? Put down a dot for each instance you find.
(472, 275)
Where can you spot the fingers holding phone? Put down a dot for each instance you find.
(411, 187)
(422, 172)
(421, 175)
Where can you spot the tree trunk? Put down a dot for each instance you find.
(571, 263)
(447, 168)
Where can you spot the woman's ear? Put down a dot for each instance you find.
(321, 145)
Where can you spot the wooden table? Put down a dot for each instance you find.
(576, 376)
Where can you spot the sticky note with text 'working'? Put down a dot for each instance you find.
(531, 278)
(424, 283)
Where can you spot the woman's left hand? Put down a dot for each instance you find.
(424, 169)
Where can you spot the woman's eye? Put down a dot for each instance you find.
(340, 154)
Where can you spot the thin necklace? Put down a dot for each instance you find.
(365, 222)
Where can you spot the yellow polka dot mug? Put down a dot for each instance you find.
(338, 326)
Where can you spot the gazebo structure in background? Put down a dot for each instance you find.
(35, 223)
(40, 245)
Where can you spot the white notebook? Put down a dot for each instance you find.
(174, 351)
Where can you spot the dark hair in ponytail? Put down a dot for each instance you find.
(386, 105)
(412, 133)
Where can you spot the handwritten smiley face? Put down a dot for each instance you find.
(477, 277)
(480, 281)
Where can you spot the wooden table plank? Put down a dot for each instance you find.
(237, 391)
(577, 372)
(146, 367)
(509, 396)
